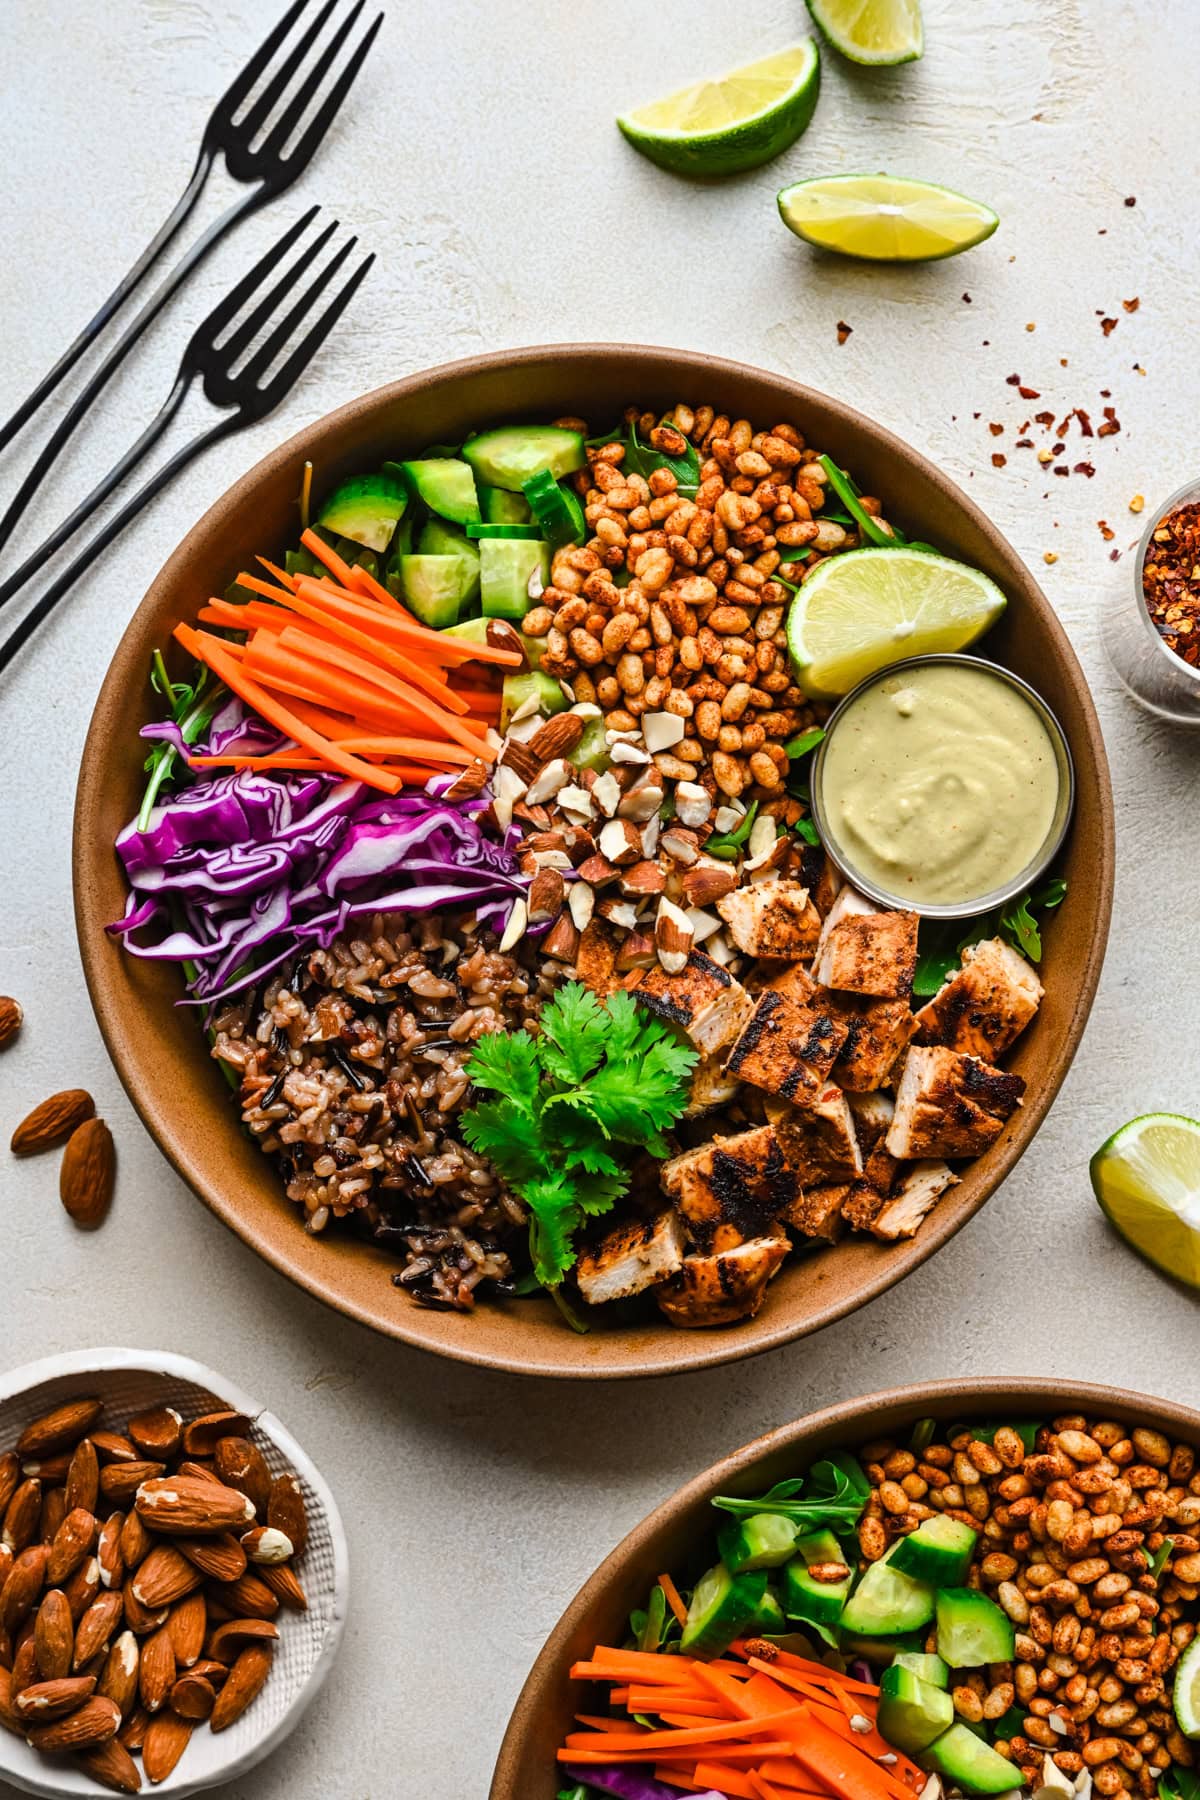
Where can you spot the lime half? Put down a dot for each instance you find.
(1147, 1180)
(863, 610)
(884, 218)
(872, 31)
(1187, 1691)
(737, 122)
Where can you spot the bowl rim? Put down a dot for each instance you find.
(81, 1363)
(282, 1250)
(509, 1775)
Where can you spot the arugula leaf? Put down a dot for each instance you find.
(938, 953)
(1018, 924)
(643, 460)
(192, 709)
(598, 1077)
(832, 1498)
(1179, 1784)
(806, 741)
(726, 844)
(805, 829)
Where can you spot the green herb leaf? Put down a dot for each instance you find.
(806, 741)
(827, 1496)
(643, 460)
(805, 829)
(1018, 924)
(726, 844)
(844, 487)
(1159, 1558)
(650, 1636)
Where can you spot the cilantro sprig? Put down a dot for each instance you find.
(596, 1079)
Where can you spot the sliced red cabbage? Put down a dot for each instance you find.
(632, 1784)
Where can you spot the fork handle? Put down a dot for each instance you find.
(120, 350)
(170, 226)
(83, 512)
(112, 529)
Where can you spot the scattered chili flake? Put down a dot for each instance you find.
(1111, 423)
(968, 299)
(1085, 422)
(1171, 581)
(843, 331)
(1062, 362)
(996, 430)
(1138, 369)
(1050, 556)
(1106, 393)
(998, 461)
(1057, 449)
(1114, 556)
(1131, 200)
(1108, 326)
(1045, 418)
(1044, 455)
(1085, 468)
(1061, 469)
(1031, 327)
(1028, 393)
(1013, 380)
(1137, 503)
(1131, 305)
(1106, 531)
(1024, 443)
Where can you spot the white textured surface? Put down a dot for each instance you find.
(482, 165)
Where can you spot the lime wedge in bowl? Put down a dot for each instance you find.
(1187, 1691)
(1147, 1180)
(884, 218)
(733, 123)
(863, 610)
(872, 31)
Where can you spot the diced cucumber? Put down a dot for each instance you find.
(507, 457)
(591, 752)
(761, 1541)
(498, 507)
(939, 1551)
(912, 1712)
(930, 1668)
(878, 1651)
(819, 1547)
(434, 587)
(886, 1601)
(506, 566)
(972, 1630)
(502, 531)
(367, 509)
(520, 688)
(768, 1617)
(439, 539)
(722, 1607)
(556, 508)
(446, 485)
(962, 1757)
(820, 1602)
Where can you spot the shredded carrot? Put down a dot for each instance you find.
(433, 684)
(672, 1598)
(440, 647)
(325, 553)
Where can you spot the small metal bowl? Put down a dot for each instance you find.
(964, 909)
(1146, 667)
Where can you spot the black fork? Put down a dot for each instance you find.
(242, 380)
(269, 166)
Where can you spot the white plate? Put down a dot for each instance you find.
(128, 1382)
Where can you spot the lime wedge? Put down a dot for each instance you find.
(872, 31)
(1187, 1690)
(884, 218)
(737, 122)
(863, 610)
(1147, 1180)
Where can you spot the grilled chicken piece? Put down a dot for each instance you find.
(817, 1212)
(772, 918)
(791, 979)
(717, 1290)
(635, 1256)
(873, 1114)
(821, 877)
(740, 1182)
(919, 1190)
(950, 1105)
(862, 1205)
(787, 1049)
(864, 951)
(821, 1144)
(711, 1087)
(878, 1032)
(983, 1006)
(596, 960)
(703, 999)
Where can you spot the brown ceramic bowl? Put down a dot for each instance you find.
(599, 1613)
(161, 1056)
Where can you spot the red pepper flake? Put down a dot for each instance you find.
(1108, 326)
(1111, 423)
(1085, 468)
(1061, 469)
(1085, 422)
(1013, 380)
(995, 429)
(968, 299)
(1028, 393)
(843, 331)
(1063, 426)
(1171, 581)
(998, 461)
(1106, 393)
(1057, 449)
(1024, 443)
(1106, 531)
(1131, 305)
(1131, 200)
(1114, 556)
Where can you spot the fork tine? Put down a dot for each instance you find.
(249, 329)
(283, 128)
(308, 346)
(228, 308)
(236, 92)
(264, 105)
(320, 125)
(265, 355)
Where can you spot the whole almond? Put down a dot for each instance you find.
(284, 1584)
(24, 1668)
(133, 1729)
(135, 1541)
(167, 1737)
(119, 1680)
(22, 1515)
(51, 1471)
(52, 1122)
(213, 1672)
(10, 1478)
(112, 1446)
(83, 1587)
(7, 1559)
(222, 1556)
(202, 1435)
(112, 1766)
(249, 1597)
(54, 1511)
(8, 1715)
(96, 1627)
(185, 1507)
(87, 1174)
(228, 1641)
(187, 1624)
(558, 736)
(139, 1618)
(265, 1544)
(286, 1511)
(192, 1697)
(10, 1018)
(241, 1464)
(47, 1700)
(156, 1676)
(164, 1577)
(120, 1481)
(197, 1470)
(157, 1434)
(21, 1590)
(54, 1636)
(73, 1541)
(83, 1477)
(706, 883)
(245, 1682)
(92, 1723)
(108, 1551)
